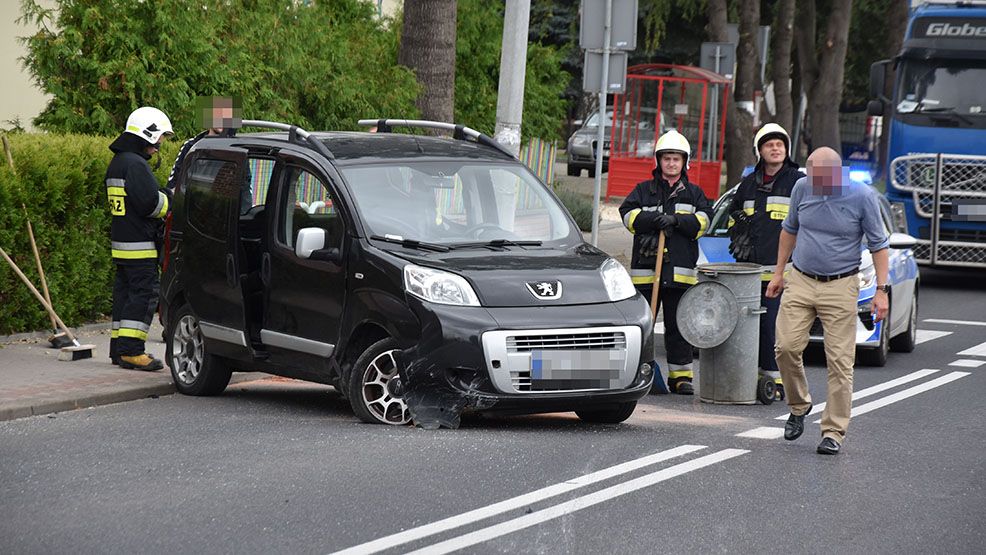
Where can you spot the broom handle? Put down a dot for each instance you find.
(51, 311)
(657, 276)
(41, 270)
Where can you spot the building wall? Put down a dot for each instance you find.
(19, 97)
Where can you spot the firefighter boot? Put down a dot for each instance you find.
(142, 361)
(681, 386)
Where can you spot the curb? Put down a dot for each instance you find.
(109, 396)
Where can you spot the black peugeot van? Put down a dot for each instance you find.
(418, 275)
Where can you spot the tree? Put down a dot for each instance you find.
(428, 48)
(896, 28)
(783, 35)
(288, 61)
(822, 60)
(739, 124)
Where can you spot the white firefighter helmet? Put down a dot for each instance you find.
(768, 132)
(672, 141)
(149, 124)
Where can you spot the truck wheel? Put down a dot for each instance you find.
(905, 342)
(194, 371)
(369, 386)
(574, 171)
(615, 415)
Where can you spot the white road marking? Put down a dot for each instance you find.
(909, 392)
(923, 336)
(966, 363)
(763, 432)
(577, 504)
(863, 393)
(977, 351)
(959, 322)
(481, 513)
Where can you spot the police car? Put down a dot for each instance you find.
(898, 332)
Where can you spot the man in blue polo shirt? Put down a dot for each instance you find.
(829, 217)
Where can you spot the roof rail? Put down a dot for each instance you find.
(459, 132)
(295, 134)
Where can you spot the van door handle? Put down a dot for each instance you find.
(231, 270)
(265, 269)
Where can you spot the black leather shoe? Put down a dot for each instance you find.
(828, 446)
(795, 425)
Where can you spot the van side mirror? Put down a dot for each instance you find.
(310, 244)
(874, 107)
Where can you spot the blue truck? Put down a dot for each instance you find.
(936, 155)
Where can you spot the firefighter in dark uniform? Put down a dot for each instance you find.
(672, 205)
(756, 211)
(137, 204)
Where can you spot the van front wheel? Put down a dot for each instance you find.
(193, 369)
(372, 399)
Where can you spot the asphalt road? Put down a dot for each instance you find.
(283, 466)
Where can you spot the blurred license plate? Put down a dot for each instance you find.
(576, 369)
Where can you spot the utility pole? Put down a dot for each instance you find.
(513, 67)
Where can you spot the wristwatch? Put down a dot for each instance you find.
(885, 288)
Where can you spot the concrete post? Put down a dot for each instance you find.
(513, 67)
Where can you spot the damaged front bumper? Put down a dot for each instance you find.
(519, 360)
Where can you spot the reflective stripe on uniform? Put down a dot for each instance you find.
(133, 251)
(629, 217)
(748, 207)
(679, 371)
(685, 275)
(703, 224)
(778, 207)
(684, 208)
(115, 332)
(135, 324)
(116, 186)
(767, 271)
(642, 276)
(161, 209)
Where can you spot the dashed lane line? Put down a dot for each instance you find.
(863, 393)
(923, 336)
(966, 363)
(577, 504)
(909, 392)
(535, 496)
(977, 351)
(959, 322)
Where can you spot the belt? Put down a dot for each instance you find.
(828, 278)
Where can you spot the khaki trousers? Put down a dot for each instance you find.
(835, 304)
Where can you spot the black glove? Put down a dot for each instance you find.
(740, 238)
(665, 221)
(648, 245)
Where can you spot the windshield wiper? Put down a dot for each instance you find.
(944, 111)
(500, 243)
(411, 243)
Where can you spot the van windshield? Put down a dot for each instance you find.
(455, 202)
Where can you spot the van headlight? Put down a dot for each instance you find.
(617, 280)
(438, 286)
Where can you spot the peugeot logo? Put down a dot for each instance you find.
(545, 290)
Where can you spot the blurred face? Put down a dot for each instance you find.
(828, 177)
(671, 165)
(773, 152)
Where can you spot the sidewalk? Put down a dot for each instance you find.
(33, 381)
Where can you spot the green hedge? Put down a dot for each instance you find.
(58, 179)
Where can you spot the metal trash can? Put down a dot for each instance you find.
(721, 316)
